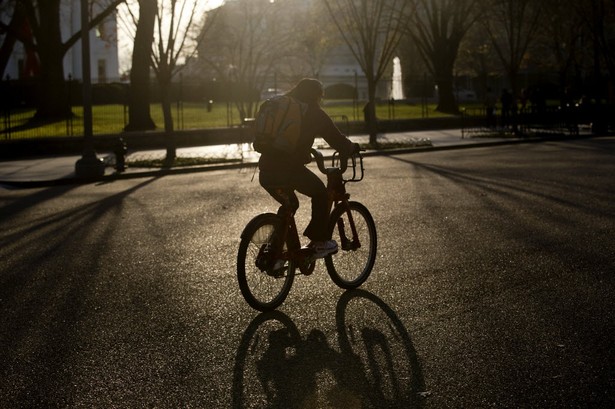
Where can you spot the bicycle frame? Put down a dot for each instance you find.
(337, 196)
(336, 186)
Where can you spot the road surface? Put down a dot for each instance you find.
(493, 287)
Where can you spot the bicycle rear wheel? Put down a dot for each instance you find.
(354, 261)
(261, 286)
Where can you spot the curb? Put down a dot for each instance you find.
(207, 168)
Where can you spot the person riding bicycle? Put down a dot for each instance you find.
(280, 169)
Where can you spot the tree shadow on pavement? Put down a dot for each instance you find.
(53, 267)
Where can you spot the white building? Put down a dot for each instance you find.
(338, 69)
(341, 67)
(103, 48)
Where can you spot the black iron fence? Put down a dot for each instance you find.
(200, 106)
(193, 105)
(567, 120)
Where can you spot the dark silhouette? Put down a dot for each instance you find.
(507, 103)
(538, 101)
(490, 101)
(282, 173)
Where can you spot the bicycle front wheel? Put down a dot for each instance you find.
(264, 282)
(354, 261)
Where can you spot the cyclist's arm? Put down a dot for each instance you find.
(332, 135)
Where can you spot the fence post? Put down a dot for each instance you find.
(6, 113)
(69, 119)
(5, 109)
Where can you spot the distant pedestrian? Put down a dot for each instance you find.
(567, 100)
(523, 99)
(539, 103)
(507, 101)
(569, 111)
(490, 101)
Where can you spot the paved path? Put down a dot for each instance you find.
(62, 168)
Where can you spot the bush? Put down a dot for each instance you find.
(113, 93)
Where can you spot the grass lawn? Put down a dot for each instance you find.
(110, 119)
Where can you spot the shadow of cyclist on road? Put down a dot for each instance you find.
(374, 364)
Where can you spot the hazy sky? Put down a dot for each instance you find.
(125, 41)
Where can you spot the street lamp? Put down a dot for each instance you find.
(89, 165)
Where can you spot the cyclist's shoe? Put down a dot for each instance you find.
(278, 269)
(279, 264)
(323, 248)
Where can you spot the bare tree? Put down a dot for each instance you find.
(478, 57)
(372, 30)
(560, 35)
(438, 27)
(242, 47)
(311, 40)
(598, 17)
(512, 26)
(174, 45)
(43, 17)
(259, 44)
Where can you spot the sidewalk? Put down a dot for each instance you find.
(38, 172)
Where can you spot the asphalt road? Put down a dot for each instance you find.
(493, 287)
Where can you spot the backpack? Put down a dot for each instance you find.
(278, 124)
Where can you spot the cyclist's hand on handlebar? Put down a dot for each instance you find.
(356, 148)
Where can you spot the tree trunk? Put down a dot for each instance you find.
(370, 113)
(139, 117)
(446, 95)
(165, 86)
(53, 103)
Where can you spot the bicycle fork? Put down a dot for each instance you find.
(338, 196)
(346, 243)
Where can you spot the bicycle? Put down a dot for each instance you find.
(270, 250)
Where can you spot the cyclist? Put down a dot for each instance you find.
(280, 169)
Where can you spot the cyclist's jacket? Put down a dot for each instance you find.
(315, 123)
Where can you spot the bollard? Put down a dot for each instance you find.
(120, 155)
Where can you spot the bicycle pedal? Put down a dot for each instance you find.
(277, 273)
(308, 268)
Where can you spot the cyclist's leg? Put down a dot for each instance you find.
(276, 184)
(279, 186)
(307, 183)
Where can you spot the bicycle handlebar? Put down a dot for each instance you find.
(320, 161)
(343, 164)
